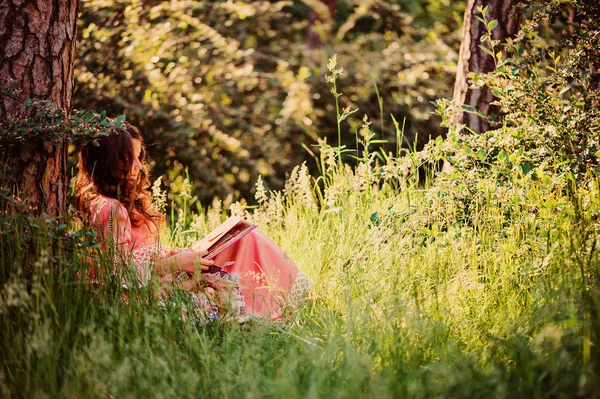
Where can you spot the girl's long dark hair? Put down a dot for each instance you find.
(104, 169)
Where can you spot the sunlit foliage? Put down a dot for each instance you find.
(230, 89)
(479, 280)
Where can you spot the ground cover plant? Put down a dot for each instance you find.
(479, 280)
(422, 308)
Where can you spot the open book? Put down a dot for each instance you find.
(229, 232)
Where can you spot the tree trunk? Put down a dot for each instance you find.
(37, 47)
(473, 59)
(322, 20)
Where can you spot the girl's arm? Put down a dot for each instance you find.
(175, 250)
(117, 229)
(182, 259)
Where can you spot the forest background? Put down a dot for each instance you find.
(233, 90)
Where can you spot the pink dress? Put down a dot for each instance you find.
(254, 276)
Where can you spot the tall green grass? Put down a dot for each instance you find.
(404, 304)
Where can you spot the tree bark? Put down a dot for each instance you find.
(37, 47)
(327, 22)
(473, 59)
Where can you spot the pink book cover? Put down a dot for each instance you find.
(229, 232)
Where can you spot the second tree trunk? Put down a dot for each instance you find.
(473, 59)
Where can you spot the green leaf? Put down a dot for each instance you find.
(492, 24)
(346, 114)
(486, 50)
(520, 49)
(527, 168)
(482, 155)
(375, 218)
(120, 119)
(503, 157)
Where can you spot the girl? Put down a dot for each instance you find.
(253, 277)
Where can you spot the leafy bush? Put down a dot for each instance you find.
(550, 129)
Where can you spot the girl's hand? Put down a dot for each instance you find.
(190, 260)
(204, 262)
(176, 250)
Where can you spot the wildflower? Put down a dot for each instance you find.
(197, 223)
(291, 183)
(305, 187)
(261, 193)
(186, 189)
(333, 193)
(361, 179)
(332, 63)
(274, 209)
(159, 197)
(365, 132)
(237, 209)
(214, 214)
(332, 67)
